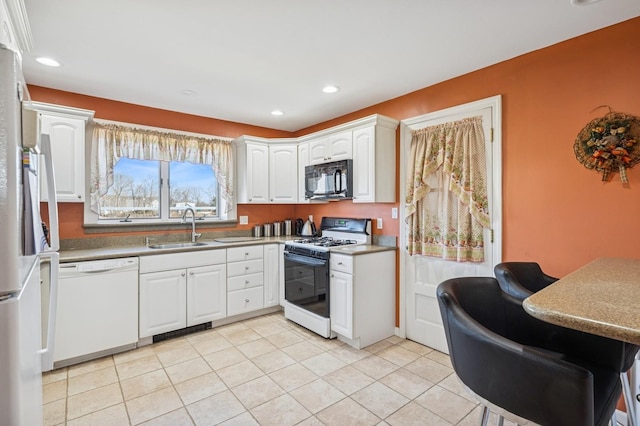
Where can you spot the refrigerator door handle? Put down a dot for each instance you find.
(54, 236)
(47, 352)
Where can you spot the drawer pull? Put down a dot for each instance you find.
(246, 300)
(246, 268)
(339, 263)
(246, 282)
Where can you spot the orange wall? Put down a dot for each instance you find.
(555, 211)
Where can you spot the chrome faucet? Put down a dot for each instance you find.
(194, 236)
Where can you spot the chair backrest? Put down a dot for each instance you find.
(521, 279)
(489, 336)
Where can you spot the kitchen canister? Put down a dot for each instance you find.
(277, 229)
(267, 230)
(257, 231)
(288, 227)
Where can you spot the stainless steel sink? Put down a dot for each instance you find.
(175, 245)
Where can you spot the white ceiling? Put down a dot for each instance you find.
(245, 58)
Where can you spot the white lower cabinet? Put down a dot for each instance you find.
(341, 307)
(245, 277)
(180, 290)
(271, 275)
(206, 291)
(163, 302)
(362, 297)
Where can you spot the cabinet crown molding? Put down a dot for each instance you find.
(61, 110)
(375, 119)
(20, 22)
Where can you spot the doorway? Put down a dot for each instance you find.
(420, 319)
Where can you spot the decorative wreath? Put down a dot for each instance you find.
(610, 143)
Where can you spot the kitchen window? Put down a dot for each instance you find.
(136, 192)
(146, 175)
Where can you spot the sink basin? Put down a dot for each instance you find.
(175, 245)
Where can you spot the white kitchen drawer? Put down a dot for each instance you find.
(165, 262)
(241, 301)
(245, 281)
(342, 263)
(237, 254)
(244, 268)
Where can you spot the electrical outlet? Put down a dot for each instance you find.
(394, 212)
(379, 223)
(244, 220)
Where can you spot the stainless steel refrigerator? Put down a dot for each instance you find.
(23, 245)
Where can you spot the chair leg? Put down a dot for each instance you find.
(628, 399)
(485, 416)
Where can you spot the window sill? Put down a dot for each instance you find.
(134, 226)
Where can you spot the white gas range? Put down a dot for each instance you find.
(306, 265)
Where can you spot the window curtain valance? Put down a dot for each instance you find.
(110, 142)
(446, 200)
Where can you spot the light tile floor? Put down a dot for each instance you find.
(262, 371)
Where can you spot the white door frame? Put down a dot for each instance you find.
(406, 127)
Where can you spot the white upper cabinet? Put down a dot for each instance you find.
(66, 128)
(273, 170)
(252, 160)
(267, 172)
(332, 147)
(257, 170)
(283, 174)
(303, 161)
(374, 165)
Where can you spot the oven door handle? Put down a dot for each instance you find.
(311, 261)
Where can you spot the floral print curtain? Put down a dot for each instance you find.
(446, 200)
(111, 142)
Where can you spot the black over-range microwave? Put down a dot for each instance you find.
(329, 181)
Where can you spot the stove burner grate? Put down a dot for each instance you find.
(324, 241)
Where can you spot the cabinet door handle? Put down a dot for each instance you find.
(246, 268)
(183, 274)
(246, 282)
(190, 273)
(339, 263)
(332, 275)
(246, 300)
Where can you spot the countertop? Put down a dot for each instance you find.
(599, 298)
(113, 252)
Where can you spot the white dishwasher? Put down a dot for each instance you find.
(97, 312)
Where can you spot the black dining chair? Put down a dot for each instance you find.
(522, 279)
(524, 368)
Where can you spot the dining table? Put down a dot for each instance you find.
(602, 298)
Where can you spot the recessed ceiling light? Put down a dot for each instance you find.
(330, 89)
(583, 2)
(277, 112)
(48, 61)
